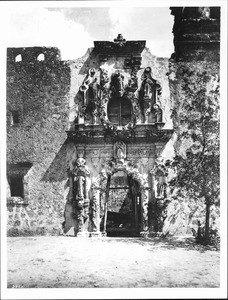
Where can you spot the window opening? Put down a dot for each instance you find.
(16, 186)
(14, 117)
(119, 111)
(40, 57)
(18, 58)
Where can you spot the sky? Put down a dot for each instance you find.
(73, 29)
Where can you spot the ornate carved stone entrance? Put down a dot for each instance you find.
(117, 134)
(121, 206)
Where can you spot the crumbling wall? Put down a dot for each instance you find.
(197, 52)
(38, 91)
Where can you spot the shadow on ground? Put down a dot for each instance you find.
(187, 243)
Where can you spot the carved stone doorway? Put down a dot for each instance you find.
(122, 213)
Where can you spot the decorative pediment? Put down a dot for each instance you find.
(119, 47)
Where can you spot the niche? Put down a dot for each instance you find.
(18, 58)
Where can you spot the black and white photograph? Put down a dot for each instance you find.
(113, 149)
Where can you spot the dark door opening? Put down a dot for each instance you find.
(123, 210)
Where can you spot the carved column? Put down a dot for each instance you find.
(159, 175)
(145, 200)
(96, 212)
(80, 195)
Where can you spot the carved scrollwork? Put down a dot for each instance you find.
(159, 135)
(104, 79)
(124, 133)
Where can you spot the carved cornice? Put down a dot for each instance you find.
(159, 135)
(139, 134)
(119, 47)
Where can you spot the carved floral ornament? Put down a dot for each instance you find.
(99, 87)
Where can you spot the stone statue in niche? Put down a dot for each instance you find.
(148, 84)
(80, 175)
(104, 94)
(157, 112)
(95, 115)
(136, 109)
(117, 84)
(132, 85)
(204, 12)
(147, 111)
(89, 79)
(80, 186)
(160, 174)
(93, 90)
(104, 81)
(120, 152)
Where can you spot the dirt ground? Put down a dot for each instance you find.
(68, 262)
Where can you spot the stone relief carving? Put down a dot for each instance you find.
(148, 84)
(117, 84)
(144, 162)
(144, 152)
(204, 12)
(144, 199)
(157, 112)
(160, 174)
(147, 111)
(95, 162)
(96, 94)
(80, 175)
(120, 40)
(96, 210)
(104, 94)
(88, 81)
(93, 90)
(120, 151)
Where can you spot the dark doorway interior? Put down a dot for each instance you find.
(123, 208)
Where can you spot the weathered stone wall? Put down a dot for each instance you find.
(38, 90)
(197, 51)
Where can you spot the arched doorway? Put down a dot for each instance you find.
(120, 201)
(121, 215)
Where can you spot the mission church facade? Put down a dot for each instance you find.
(85, 137)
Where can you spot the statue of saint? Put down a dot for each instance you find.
(93, 90)
(80, 187)
(120, 152)
(157, 112)
(161, 176)
(117, 84)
